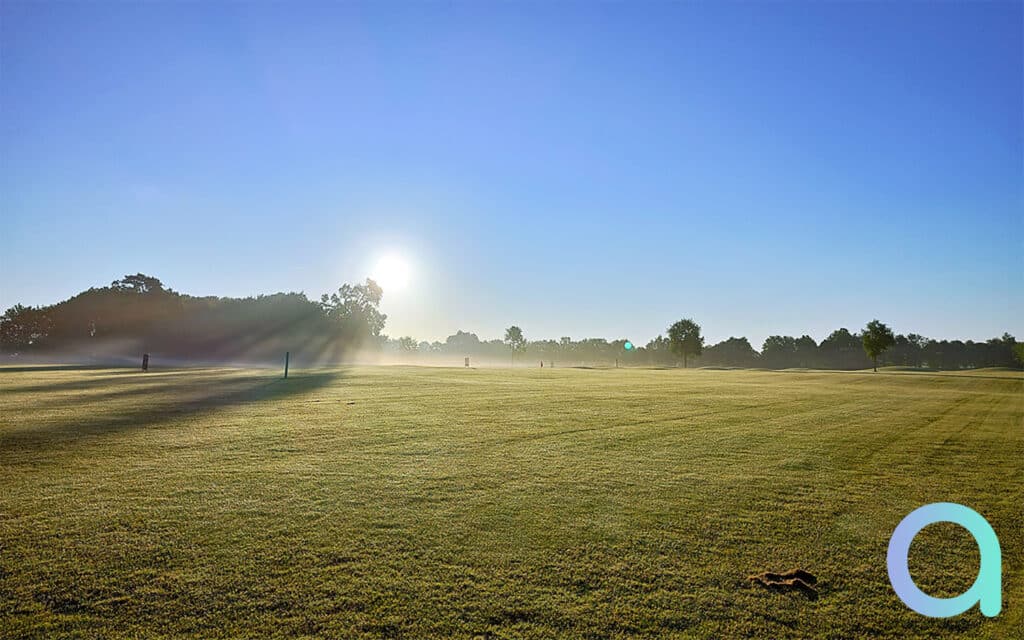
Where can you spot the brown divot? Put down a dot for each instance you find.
(784, 582)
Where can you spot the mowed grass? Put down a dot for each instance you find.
(426, 502)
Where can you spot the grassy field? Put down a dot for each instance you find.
(419, 502)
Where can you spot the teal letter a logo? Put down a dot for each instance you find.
(987, 588)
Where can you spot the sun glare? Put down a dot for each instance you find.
(391, 272)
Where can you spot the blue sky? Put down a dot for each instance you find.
(577, 169)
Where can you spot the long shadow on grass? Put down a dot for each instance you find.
(156, 403)
(111, 382)
(29, 368)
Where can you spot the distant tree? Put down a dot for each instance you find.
(806, 351)
(1003, 352)
(779, 352)
(1018, 352)
(914, 349)
(138, 283)
(956, 355)
(23, 328)
(462, 342)
(877, 338)
(685, 340)
(407, 344)
(902, 352)
(545, 349)
(659, 351)
(734, 352)
(917, 339)
(933, 354)
(355, 308)
(842, 350)
(515, 340)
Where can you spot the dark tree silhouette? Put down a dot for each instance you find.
(779, 352)
(138, 314)
(877, 338)
(685, 340)
(806, 351)
(734, 352)
(842, 350)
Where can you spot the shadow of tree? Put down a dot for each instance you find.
(107, 378)
(28, 368)
(58, 419)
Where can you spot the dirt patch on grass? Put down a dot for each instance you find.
(796, 579)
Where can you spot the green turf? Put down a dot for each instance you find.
(420, 502)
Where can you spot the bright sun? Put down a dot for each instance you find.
(391, 273)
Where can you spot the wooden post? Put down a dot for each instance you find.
(286, 354)
(467, 361)
(145, 362)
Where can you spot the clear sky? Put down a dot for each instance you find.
(590, 170)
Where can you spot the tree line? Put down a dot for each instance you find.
(683, 345)
(139, 314)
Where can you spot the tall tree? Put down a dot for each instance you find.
(355, 308)
(515, 340)
(685, 340)
(877, 338)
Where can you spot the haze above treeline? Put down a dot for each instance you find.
(139, 314)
